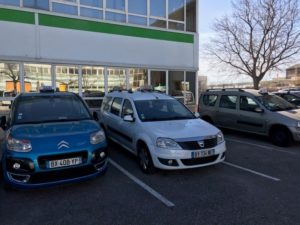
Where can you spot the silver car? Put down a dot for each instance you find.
(252, 111)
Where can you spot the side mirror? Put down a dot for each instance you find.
(95, 116)
(3, 122)
(128, 118)
(258, 110)
(197, 115)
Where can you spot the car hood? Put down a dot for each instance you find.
(49, 137)
(292, 114)
(181, 129)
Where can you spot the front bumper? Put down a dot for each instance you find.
(295, 131)
(182, 159)
(33, 173)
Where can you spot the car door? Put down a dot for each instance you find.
(226, 115)
(251, 117)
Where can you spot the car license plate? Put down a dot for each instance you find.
(203, 153)
(64, 162)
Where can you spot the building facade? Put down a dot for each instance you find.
(293, 72)
(91, 46)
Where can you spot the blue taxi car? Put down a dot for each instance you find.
(51, 138)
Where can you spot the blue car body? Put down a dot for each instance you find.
(61, 151)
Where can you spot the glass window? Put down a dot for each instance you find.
(94, 3)
(116, 4)
(137, 78)
(92, 13)
(63, 8)
(210, 100)
(116, 78)
(137, 20)
(115, 17)
(106, 104)
(228, 101)
(116, 106)
(158, 8)
(159, 110)
(38, 4)
(176, 85)
(127, 108)
(158, 80)
(190, 87)
(275, 103)
(68, 79)
(247, 104)
(9, 85)
(37, 76)
(176, 26)
(191, 15)
(176, 10)
(10, 2)
(158, 23)
(137, 7)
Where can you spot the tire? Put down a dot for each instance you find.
(145, 160)
(281, 137)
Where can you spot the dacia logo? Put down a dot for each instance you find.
(63, 144)
(201, 144)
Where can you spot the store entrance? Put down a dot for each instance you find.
(158, 80)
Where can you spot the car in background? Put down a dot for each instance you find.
(51, 138)
(160, 130)
(290, 96)
(252, 111)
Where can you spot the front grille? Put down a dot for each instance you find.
(199, 161)
(59, 175)
(194, 145)
(42, 160)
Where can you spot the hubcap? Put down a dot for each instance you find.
(144, 158)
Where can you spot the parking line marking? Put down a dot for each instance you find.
(261, 146)
(252, 171)
(143, 185)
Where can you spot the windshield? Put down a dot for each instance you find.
(162, 109)
(275, 103)
(43, 109)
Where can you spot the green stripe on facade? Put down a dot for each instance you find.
(16, 16)
(78, 24)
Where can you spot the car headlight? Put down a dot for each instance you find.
(167, 143)
(220, 137)
(298, 124)
(97, 137)
(18, 145)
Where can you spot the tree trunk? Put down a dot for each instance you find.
(256, 83)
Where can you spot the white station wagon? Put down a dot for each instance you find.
(160, 130)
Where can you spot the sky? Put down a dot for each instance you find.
(210, 10)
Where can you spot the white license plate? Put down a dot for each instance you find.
(203, 153)
(64, 162)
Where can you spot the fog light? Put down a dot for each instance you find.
(93, 156)
(170, 162)
(16, 166)
(102, 154)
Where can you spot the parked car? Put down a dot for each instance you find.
(252, 111)
(51, 138)
(160, 130)
(292, 97)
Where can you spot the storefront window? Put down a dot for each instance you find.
(158, 8)
(92, 13)
(158, 80)
(10, 2)
(93, 86)
(116, 4)
(191, 15)
(137, 20)
(67, 78)
(94, 3)
(9, 85)
(116, 78)
(37, 76)
(137, 78)
(176, 85)
(158, 23)
(63, 8)
(37, 4)
(137, 7)
(190, 87)
(118, 17)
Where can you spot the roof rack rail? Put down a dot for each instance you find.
(119, 89)
(225, 89)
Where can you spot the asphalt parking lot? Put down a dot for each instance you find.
(257, 184)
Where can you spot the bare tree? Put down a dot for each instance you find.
(258, 37)
(13, 73)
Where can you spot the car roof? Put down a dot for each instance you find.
(139, 95)
(31, 94)
(253, 92)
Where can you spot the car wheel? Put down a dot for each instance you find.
(145, 160)
(280, 137)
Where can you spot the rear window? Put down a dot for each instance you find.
(42, 109)
(210, 100)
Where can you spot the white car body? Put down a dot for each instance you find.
(189, 134)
